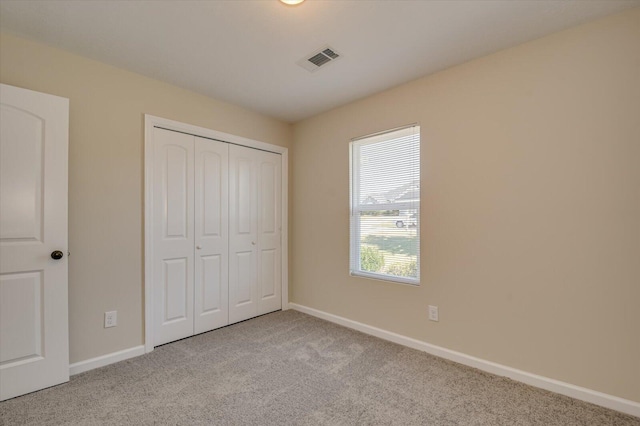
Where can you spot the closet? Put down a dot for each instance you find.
(216, 233)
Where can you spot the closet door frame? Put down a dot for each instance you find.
(151, 122)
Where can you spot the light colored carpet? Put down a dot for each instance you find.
(290, 368)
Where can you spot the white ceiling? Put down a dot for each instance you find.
(245, 52)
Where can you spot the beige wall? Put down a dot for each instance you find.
(106, 177)
(530, 208)
(530, 216)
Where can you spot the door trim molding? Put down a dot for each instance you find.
(150, 122)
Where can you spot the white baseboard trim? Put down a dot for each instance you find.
(101, 361)
(577, 392)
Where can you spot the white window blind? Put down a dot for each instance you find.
(385, 206)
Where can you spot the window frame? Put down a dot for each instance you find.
(355, 209)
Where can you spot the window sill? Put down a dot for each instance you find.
(386, 278)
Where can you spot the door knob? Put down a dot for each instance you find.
(253, 243)
(198, 247)
(57, 255)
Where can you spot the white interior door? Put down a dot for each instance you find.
(269, 277)
(34, 336)
(243, 233)
(173, 229)
(255, 274)
(211, 235)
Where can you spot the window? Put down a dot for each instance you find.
(385, 206)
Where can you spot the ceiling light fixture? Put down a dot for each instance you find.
(291, 2)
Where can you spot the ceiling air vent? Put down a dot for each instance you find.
(318, 58)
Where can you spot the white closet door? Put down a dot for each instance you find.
(173, 230)
(269, 232)
(243, 233)
(216, 234)
(255, 276)
(211, 235)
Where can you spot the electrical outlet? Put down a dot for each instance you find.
(433, 313)
(110, 319)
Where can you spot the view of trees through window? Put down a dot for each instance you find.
(387, 242)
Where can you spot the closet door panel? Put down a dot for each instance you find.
(176, 192)
(173, 235)
(210, 288)
(243, 233)
(211, 234)
(243, 290)
(175, 289)
(268, 275)
(269, 232)
(245, 192)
